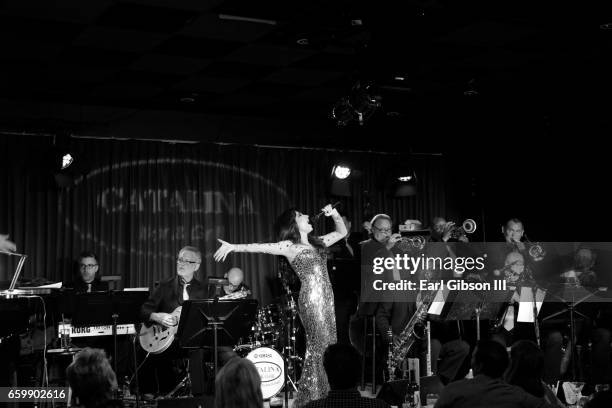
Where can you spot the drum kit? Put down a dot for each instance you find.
(273, 340)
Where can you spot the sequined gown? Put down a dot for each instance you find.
(316, 307)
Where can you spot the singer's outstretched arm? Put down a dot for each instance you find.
(340, 232)
(282, 248)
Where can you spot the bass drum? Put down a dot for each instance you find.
(271, 368)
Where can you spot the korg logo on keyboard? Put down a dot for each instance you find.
(81, 330)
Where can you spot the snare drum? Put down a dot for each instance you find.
(271, 368)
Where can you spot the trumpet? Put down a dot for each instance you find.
(467, 227)
(536, 251)
(406, 244)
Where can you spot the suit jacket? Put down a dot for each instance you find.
(169, 295)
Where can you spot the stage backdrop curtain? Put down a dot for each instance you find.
(136, 203)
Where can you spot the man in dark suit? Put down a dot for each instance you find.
(88, 278)
(380, 245)
(170, 294)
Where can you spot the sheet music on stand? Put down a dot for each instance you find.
(489, 302)
(438, 303)
(525, 311)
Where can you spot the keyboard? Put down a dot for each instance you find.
(95, 331)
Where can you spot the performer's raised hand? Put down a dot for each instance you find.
(6, 245)
(223, 250)
(329, 210)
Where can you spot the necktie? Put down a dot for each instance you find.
(88, 287)
(349, 248)
(509, 318)
(185, 294)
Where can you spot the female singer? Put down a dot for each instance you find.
(306, 255)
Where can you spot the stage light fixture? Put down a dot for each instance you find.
(67, 160)
(341, 171)
(405, 185)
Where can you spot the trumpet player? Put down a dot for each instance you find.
(444, 231)
(515, 237)
(381, 244)
(513, 233)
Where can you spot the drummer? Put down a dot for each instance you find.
(235, 276)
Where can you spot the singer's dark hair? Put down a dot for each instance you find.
(287, 230)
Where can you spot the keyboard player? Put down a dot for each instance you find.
(88, 277)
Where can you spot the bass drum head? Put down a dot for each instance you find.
(271, 369)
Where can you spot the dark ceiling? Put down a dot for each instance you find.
(99, 66)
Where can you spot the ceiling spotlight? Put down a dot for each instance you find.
(67, 160)
(341, 171)
(405, 178)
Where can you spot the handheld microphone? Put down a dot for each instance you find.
(315, 218)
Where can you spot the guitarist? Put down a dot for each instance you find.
(169, 295)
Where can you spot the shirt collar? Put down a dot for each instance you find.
(182, 281)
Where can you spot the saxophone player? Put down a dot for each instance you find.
(448, 352)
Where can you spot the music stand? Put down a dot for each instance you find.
(205, 322)
(477, 305)
(571, 295)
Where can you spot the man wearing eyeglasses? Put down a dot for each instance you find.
(381, 243)
(88, 279)
(170, 294)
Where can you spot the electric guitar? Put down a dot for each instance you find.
(156, 338)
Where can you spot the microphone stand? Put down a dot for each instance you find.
(536, 326)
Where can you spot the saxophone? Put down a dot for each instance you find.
(398, 353)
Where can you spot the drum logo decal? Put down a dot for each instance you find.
(268, 371)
